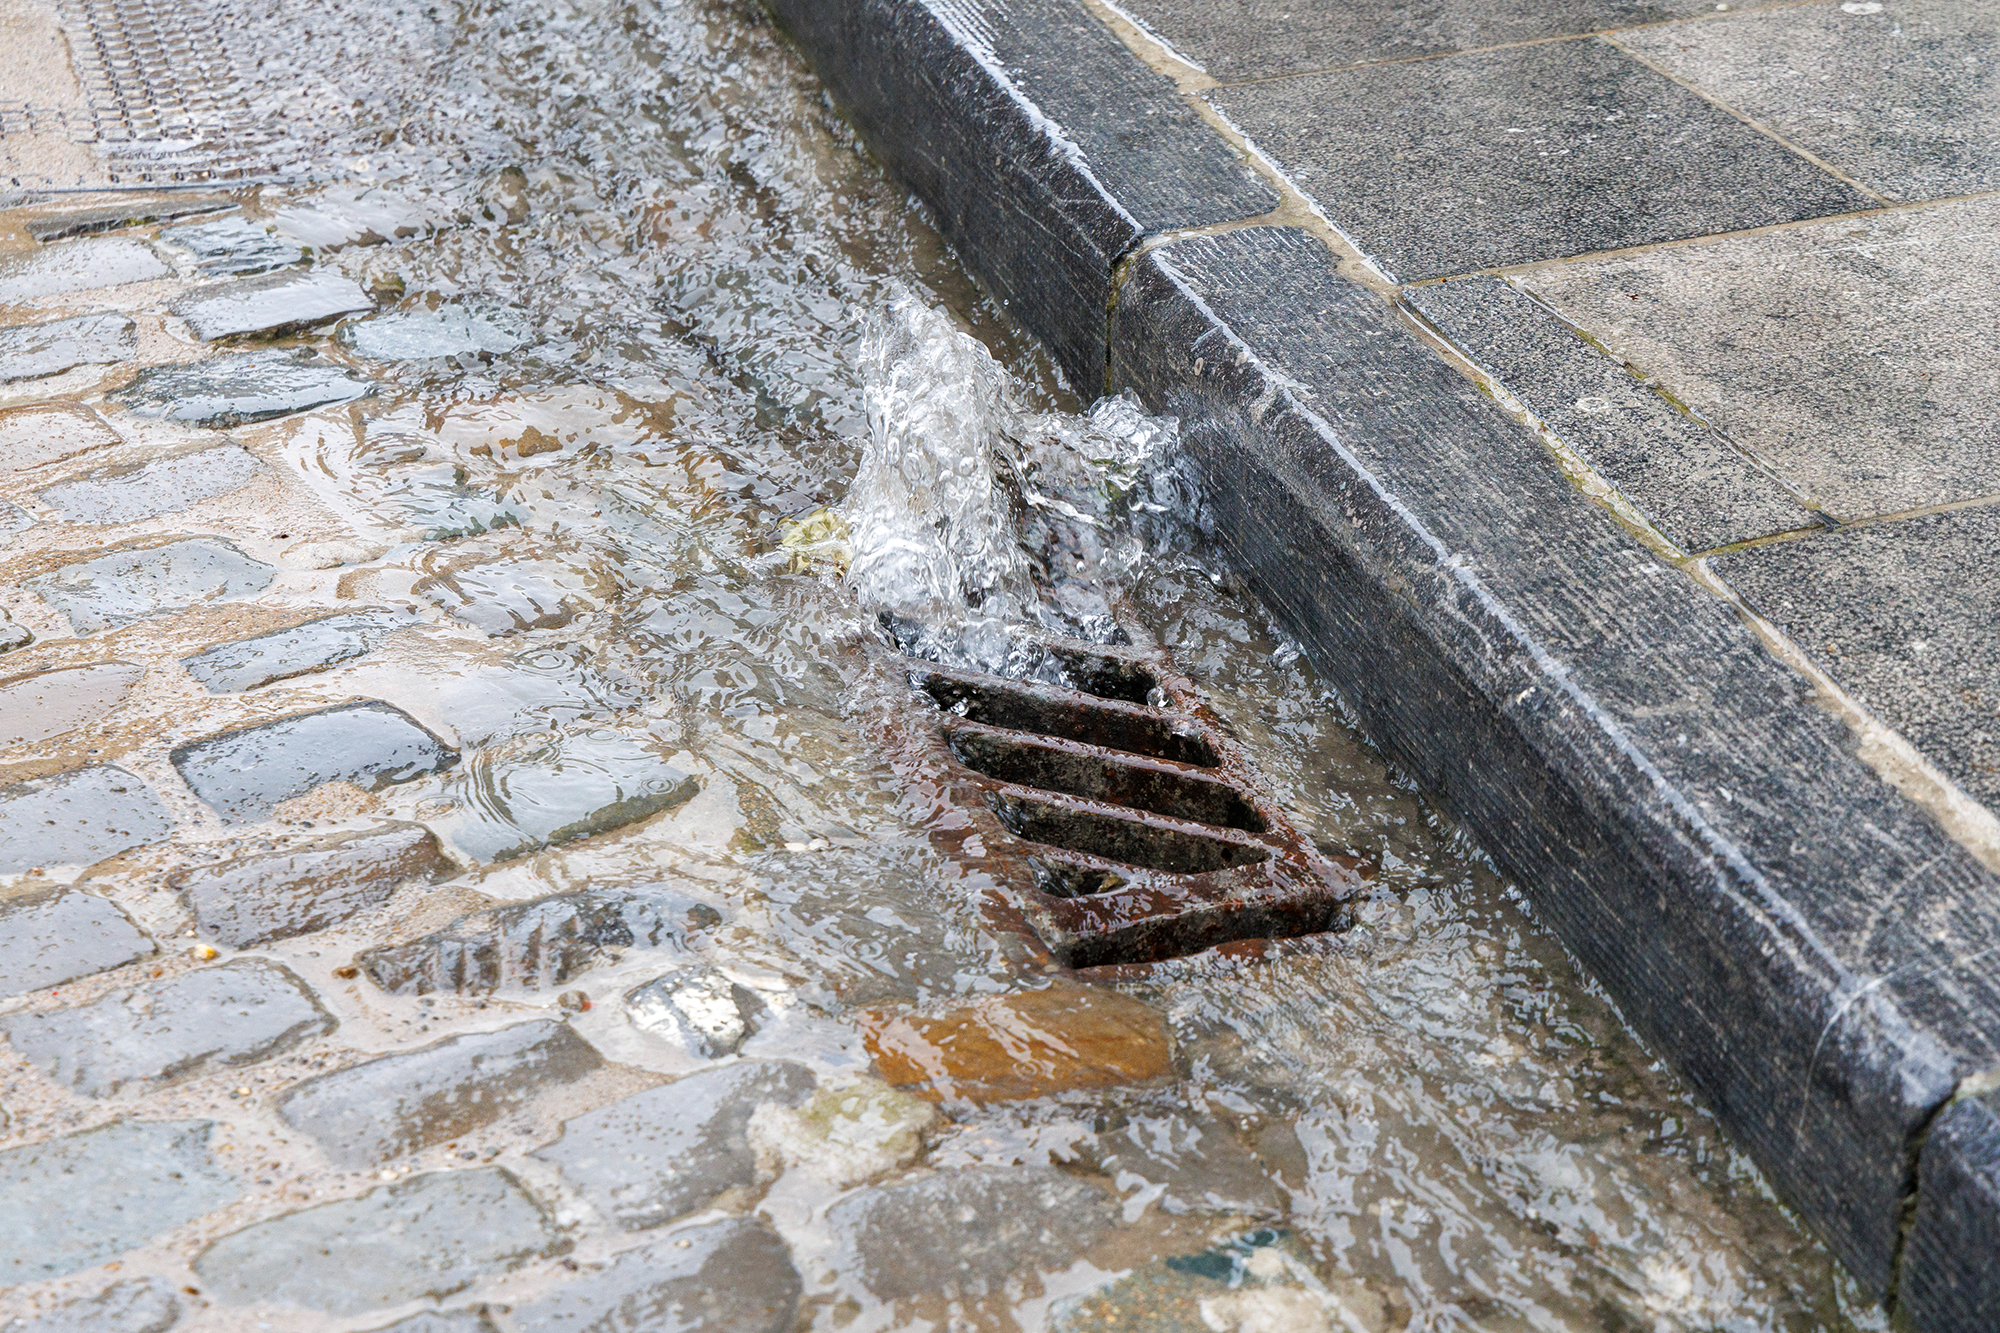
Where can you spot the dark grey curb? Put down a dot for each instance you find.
(1038, 140)
(1801, 941)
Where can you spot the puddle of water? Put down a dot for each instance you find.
(645, 309)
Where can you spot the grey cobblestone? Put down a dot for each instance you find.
(157, 486)
(397, 1104)
(306, 883)
(241, 387)
(421, 1238)
(230, 245)
(142, 1305)
(282, 654)
(698, 1009)
(57, 935)
(270, 303)
(667, 1151)
(76, 818)
(54, 703)
(235, 1013)
(49, 432)
(140, 582)
(243, 773)
(75, 266)
(725, 1277)
(80, 1200)
(32, 351)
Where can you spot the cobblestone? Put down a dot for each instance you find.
(77, 1201)
(140, 582)
(725, 1277)
(51, 936)
(544, 791)
(49, 432)
(307, 883)
(249, 664)
(54, 703)
(243, 773)
(33, 351)
(698, 1009)
(76, 818)
(235, 1013)
(371, 1112)
(157, 486)
(241, 387)
(422, 1238)
(662, 1154)
(142, 1305)
(270, 303)
(75, 266)
(230, 245)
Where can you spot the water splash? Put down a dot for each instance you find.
(972, 517)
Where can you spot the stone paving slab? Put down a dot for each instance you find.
(48, 433)
(1689, 481)
(51, 936)
(55, 703)
(421, 1238)
(33, 351)
(142, 1305)
(1253, 39)
(306, 884)
(1492, 158)
(139, 582)
(248, 664)
(1902, 95)
(80, 1200)
(270, 304)
(724, 1277)
(232, 1014)
(242, 774)
(158, 486)
(76, 818)
(384, 1108)
(75, 266)
(1903, 615)
(1858, 357)
(232, 390)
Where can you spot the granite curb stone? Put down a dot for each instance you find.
(1046, 148)
(1948, 1282)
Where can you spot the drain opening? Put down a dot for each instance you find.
(1067, 879)
(1128, 841)
(1106, 677)
(1111, 724)
(1101, 776)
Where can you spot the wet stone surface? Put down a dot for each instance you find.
(234, 1013)
(1185, 1166)
(60, 224)
(158, 486)
(51, 936)
(384, 1108)
(33, 436)
(544, 791)
(537, 945)
(13, 519)
(33, 351)
(82, 1199)
(283, 654)
(425, 1237)
(242, 387)
(13, 634)
(140, 582)
(269, 304)
(55, 703)
(229, 245)
(698, 1009)
(307, 884)
(451, 330)
(75, 266)
(443, 1321)
(724, 1277)
(243, 773)
(142, 1305)
(662, 1154)
(76, 818)
(967, 1231)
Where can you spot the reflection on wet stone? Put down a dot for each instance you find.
(725, 1277)
(539, 944)
(32, 351)
(425, 1237)
(397, 1104)
(269, 304)
(513, 596)
(80, 1200)
(283, 654)
(544, 791)
(305, 884)
(229, 245)
(235, 1013)
(1190, 1166)
(968, 1231)
(698, 1009)
(142, 1305)
(158, 486)
(57, 935)
(76, 818)
(138, 582)
(77, 266)
(537, 689)
(243, 773)
(238, 388)
(451, 330)
(351, 215)
(665, 1152)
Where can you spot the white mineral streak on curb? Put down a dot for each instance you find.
(1881, 747)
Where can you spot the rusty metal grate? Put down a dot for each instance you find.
(1116, 814)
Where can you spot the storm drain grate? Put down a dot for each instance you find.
(1118, 816)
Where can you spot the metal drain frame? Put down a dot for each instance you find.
(1106, 877)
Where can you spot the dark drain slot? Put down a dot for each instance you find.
(1106, 677)
(1112, 726)
(1066, 879)
(1103, 777)
(1127, 841)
